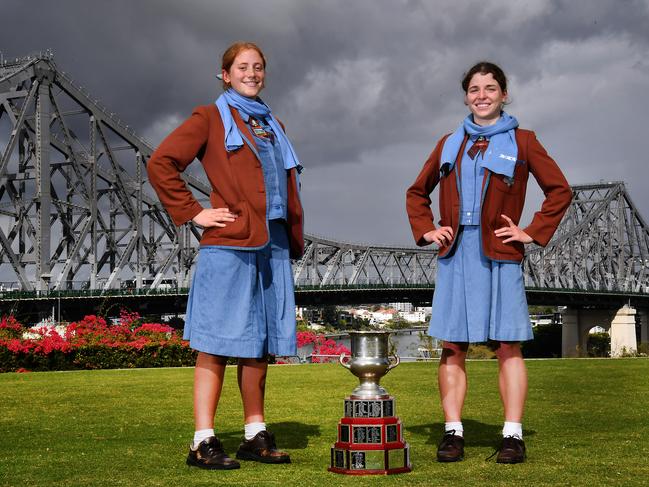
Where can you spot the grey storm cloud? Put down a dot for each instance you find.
(366, 87)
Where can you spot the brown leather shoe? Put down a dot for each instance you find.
(451, 448)
(512, 450)
(210, 455)
(262, 449)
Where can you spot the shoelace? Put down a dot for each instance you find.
(498, 449)
(446, 439)
(447, 433)
(213, 447)
(271, 439)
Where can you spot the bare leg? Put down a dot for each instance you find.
(208, 382)
(251, 375)
(512, 380)
(452, 379)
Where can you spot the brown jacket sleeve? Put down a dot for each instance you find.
(418, 201)
(171, 158)
(555, 188)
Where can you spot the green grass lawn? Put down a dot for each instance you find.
(587, 423)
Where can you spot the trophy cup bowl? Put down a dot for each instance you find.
(369, 362)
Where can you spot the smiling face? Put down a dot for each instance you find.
(485, 98)
(246, 74)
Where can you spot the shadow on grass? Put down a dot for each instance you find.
(288, 434)
(475, 432)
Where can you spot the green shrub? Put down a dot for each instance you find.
(100, 357)
(599, 345)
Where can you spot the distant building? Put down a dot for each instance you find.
(402, 307)
(384, 314)
(414, 317)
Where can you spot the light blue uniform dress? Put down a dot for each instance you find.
(477, 299)
(241, 303)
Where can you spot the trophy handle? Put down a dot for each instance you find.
(341, 360)
(397, 361)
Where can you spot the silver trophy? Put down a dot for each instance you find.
(369, 362)
(370, 434)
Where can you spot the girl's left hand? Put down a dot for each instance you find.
(513, 232)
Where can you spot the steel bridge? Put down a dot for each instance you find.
(79, 222)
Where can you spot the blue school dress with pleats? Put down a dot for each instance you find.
(241, 303)
(477, 299)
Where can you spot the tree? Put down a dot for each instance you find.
(546, 342)
(330, 315)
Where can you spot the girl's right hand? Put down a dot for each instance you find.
(214, 217)
(441, 236)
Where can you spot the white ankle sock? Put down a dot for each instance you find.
(201, 435)
(251, 429)
(513, 429)
(454, 425)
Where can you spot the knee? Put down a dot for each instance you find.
(507, 350)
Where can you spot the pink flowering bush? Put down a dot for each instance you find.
(321, 346)
(92, 343)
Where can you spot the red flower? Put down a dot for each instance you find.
(10, 323)
(128, 318)
(321, 346)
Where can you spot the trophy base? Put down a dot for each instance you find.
(383, 461)
(370, 439)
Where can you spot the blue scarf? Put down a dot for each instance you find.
(502, 151)
(257, 109)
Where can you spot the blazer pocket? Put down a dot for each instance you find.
(238, 229)
(505, 184)
(510, 248)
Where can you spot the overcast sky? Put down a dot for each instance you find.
(365, 87)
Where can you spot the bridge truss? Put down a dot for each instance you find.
(602, 244)
(77, 212)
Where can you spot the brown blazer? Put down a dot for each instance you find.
(500, 198)
(236, 178)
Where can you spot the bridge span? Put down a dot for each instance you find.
(81, 229)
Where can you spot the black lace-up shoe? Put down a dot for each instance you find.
(451, 448)
(512, 450)
(210, 455)
(262, 449)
